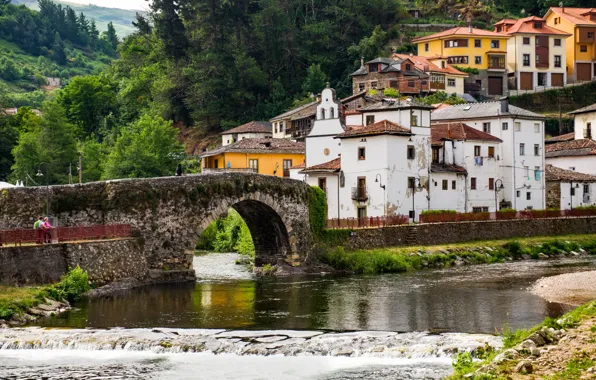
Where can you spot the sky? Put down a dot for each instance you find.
(123, 4)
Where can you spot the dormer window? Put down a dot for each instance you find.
(499, 29)
(408, 67)
(537, 25)
(373, 67)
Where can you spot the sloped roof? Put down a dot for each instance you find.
(458, 131)
(298, 166)
(422, 63)
(294, 111)
(556, 139)
(394, 104)
(264, 145)
(250, 127)
(481, 110)
(526, 25)
(508, 21)
(444, 168)
(581, 147)
(329, 166)
(573, 15)
(553, 173)
(463, 31)
(590, 108)
(379, 128)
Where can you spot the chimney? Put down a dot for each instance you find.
(361, 61)
(505, 104)
(411, 54)
(562, 7)
(470, 28)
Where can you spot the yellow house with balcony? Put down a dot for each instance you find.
(260, 155)
(470, 48)
(580, 23)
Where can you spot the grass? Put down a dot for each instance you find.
(403, 259)
(16, 300)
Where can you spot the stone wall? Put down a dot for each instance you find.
(447, 233)
(104, 261)
(553, 194)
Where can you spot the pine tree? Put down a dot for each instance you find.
(142, 25)
(111, 38)
(170, 28)
(58, 49)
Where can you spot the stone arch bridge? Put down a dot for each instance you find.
(168, 214)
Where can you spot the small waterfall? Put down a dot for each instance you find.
(416, 345)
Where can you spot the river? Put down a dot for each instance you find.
(286, 328)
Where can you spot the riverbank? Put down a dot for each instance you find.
(396, 260)
(21, 305)
(557, 349)
(571, 288)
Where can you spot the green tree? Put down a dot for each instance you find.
(94, 158)
(111, 38)
(58, 50)
(146, 148)
(315, 81)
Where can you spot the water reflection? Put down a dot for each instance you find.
(472, 299)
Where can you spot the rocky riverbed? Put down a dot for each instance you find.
(570, 288)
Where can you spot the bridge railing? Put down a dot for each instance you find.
(65, 234)
(367, 222)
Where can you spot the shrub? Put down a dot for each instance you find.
(514, 248)
(245, 245)
(391, 93)
(507, 210)
(317, 207)
(71, 287)
(433, 212)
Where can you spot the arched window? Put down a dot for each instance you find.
(331, 113)
(323, 113)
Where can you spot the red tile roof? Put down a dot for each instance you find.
(460, 31)
(581, 147)
(264, 145)
(299, 166)
(329, 166)
(565, 137)
(526, 25)
(553, 173)
(423, 64)
(251, 127)
(575, 15)
(458, 131)
(351, 112)
(445, 168)
(378, 128)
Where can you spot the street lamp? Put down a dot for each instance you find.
(40, 174)
(378, 179)
(497, 188)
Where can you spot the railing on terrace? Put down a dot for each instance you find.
(64, 234)
(368, 222)
(227, 170)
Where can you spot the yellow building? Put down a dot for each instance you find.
(471, 48)
(262, 155)
(580, 23)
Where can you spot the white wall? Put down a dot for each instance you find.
(490, 168)
(515, 55)
(450, 199)
(321, 146)
(578, 197)
(459, 84)
(229, 139)
(281, 126)
(581, 121)
(331, 191)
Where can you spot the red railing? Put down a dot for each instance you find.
(63, 234)
(526, 214)
(368, 222)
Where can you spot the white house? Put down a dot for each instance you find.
(521, 157)
(566, 189)
(466, 173)
(576, 152)
(252, 130)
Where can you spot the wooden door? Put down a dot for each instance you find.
(526, 81)
(323, 184)
(557, 80)
(584, 71)
(495, 85)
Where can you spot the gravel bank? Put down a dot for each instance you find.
(571, 288)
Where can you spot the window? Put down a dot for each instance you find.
(518, 193)
(445, 184)
(522, 149)
(414, 120)
(588, 131)
(253, 164)
(572, 190)
(473, 183)
(517, 126)
(287, 166)
(491, 183)
(477, 60)
(370, 119)
(373, 68)
(557, 42)
(586, 188)
(527, 171)
(411, 152)
(536, 127)
(411, 183)
(457, 60)
(373, 85)
(476, 150)
(505, 126)
(495, 44)
(526, 40)
(479, 209)
(557, 61)
(537, 173)
(590, 35)
(362, 153)
(426, 46)
(281, 127)
(393, 84)
(477, 43)
(451, 82)
(537, 25)
(453, 186)
(323, 184)
(436, 155)
(486, 127)
(361, 87)
(456, 43)
(491, 151)
(411, 83)
(216, 164)
(528, 196)
(408, 67)
(536, 150)
(583, 48)
(526, 60)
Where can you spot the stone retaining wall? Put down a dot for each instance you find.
(446, 233)
(104, 261)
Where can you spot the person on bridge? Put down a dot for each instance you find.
(47, 231)
(179, 170)
(38, 230)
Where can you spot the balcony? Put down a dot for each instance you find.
(359, 194)
(228, 170)
(496, 62)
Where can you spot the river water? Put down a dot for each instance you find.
(285, 328)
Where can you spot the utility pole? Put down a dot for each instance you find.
(80, 167)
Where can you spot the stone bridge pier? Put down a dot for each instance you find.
(168, 214)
